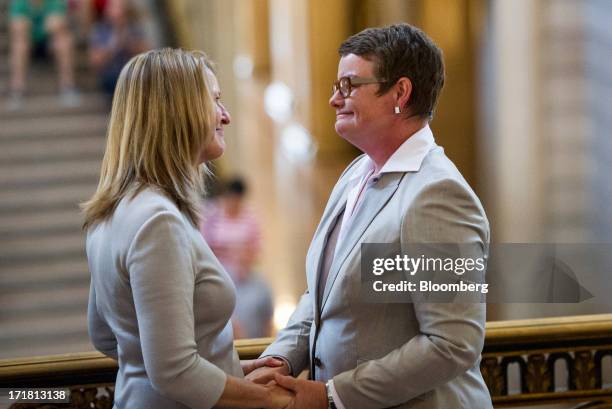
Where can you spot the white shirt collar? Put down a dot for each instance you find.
(407, 158)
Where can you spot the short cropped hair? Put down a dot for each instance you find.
(398, 51)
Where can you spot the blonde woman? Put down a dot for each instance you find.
(160, 302)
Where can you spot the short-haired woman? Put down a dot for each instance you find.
(160, 302)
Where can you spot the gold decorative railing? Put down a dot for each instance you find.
(581, 342)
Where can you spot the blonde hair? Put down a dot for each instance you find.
(162, 116)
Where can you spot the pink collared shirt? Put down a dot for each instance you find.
(407, 158)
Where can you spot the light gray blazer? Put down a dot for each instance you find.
(160, 304)
(421, 355)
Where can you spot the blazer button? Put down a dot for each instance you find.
(317, 362)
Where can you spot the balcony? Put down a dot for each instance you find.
(518, 365)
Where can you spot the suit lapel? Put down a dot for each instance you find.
(374, 199)
(320, 242)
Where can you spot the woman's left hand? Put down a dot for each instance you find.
(249, 365)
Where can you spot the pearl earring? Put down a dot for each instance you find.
(398, 110)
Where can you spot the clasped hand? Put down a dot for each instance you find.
(286, 391)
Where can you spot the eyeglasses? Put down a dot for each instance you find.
(345, 85)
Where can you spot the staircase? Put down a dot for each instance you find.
(49, 162)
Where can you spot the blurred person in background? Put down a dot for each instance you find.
(232, 230)
(86, 12)
(115, 38)
(41, 25)
(160, 302)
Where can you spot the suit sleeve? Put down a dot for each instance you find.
(292, 342)
(161, 274)
(101, 335)
(451, 335)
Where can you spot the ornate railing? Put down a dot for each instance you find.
(535, 346)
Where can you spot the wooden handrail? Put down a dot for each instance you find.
(547, 330)
(533, 342)
(80, 368)
(86, 367)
